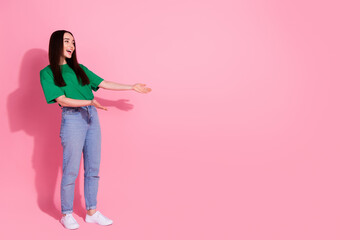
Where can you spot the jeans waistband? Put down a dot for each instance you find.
(89, 109)
(86, 111)
(78, 108)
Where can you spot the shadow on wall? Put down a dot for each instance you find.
(29, 112)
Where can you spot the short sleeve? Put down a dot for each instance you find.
(51, 91)
(95, 80)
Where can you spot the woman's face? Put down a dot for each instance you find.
(69, 45)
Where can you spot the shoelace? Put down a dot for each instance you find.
(101, 217)
(70, 219)
(98, 214)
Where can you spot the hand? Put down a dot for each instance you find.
(97, 105)
(139, 87)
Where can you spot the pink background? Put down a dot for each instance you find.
(251, 131)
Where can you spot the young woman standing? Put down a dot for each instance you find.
(70, 84)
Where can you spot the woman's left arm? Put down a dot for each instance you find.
(138, 87)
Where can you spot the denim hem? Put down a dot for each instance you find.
(67, 212)
(92, 207)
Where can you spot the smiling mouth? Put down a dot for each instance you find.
(69, 51)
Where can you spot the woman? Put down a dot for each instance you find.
(70, 84)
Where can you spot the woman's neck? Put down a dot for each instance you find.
(62, 61)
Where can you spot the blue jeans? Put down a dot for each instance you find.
(80, 133)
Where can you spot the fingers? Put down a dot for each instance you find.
(101, 107)
(146, 90)
(97, 105)
(140, 87)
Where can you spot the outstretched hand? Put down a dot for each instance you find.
(98, 105)
(139, 87)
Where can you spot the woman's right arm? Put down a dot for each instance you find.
(69, 102)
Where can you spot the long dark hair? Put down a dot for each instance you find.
(56, 50)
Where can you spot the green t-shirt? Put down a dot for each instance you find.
(73, 88)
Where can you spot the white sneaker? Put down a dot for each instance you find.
(98, 218)
(69, 222)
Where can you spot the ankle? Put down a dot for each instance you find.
(91, 212)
